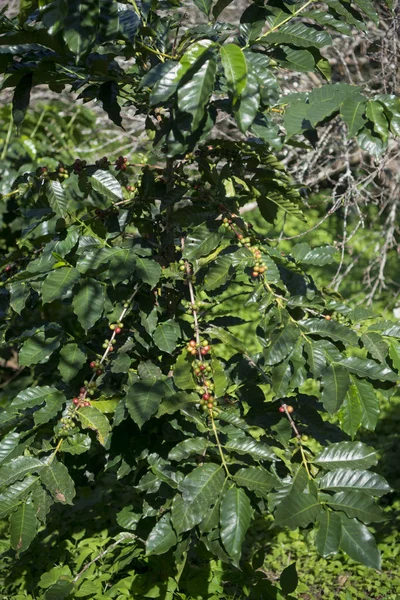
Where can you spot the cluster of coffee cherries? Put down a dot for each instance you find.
(259, 267)
(121, 163)
(79, 165)
(286, 407)
(191, 307)
(102, 163)
(96, 366)
(89, 388)
(67, 423)
(130, 188)
(193, 348)
(62, 172)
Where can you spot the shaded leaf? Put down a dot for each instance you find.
(235, 517)
(23, 527)
(58, 283)
(143, 398)
(58, 481)
(328, 535)
(297, 510)
(162, 537)
(359, 543)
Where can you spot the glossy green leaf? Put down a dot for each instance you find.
(57, 480)
(328, 535)
(53, 405)
(335, 382)
(201, 487)
(235, 69)
(364, 395)
(8, 445)
(235, 517)
(218, 274)
(23, 527)
(357, 505)
(56, 197)
(356, 480)
(247, 107)
(194, 95)
(38, 349)
(394, 353)
(256, 479)
(319, 257)
(11, 498)
(350, 414)
(330, 329)
(182, 371)
(364, 367)
(72, 359)
(376, 114)
(166, 336)
(122, 265)
(224, 336)
(368, 8)
(88, 302)
(92, 418)
(60, 590)
(162, 537)
(359, 543)
(349, 455)
(298, 34)
(282, 342)
(143, 398)
(80, 26)
(106, 184)
(316, 359)
(147, 270)
(247, 445)
(297, 510)
(187, 448)
(204, 6)
(376, 345)
(201, 241)
(352, 111)
(58, 283)
(19, 293)
(17, 468)
(183, 516)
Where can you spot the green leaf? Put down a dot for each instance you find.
(235, 69)
(80, 26)
(92, 418)
(226, 338)
(107, 95)
(280, 378)
(368, 8)
(60, 590)
(289, 579)
(106, 184)
(328, 535)
(88, 302)
(17, 468)
(315, 358)
(194, 95)
(19, 293)
(235, 517)
(218, 274)
(257, 480)
(394, 353)
(72, 359)
(247, 107)
(11, 498)
(297, 510)
(23, 527)
(364, 395)
(187, 448)
(8, 444)
(359, 543)
(54, 403)
(298, 34)
(182, 371)
(183, 516)
(331, 329)
(34, 396)
(162, 537)
(201, 241)
(247, 445)
(219, 6)
(376, 113)
(318, 257)
(375, 345)
(122, 265)
(357, 505)
(56, 197)
(58, 481)
(355, 480)
(335, 381)
(147, 270)
(58, 283)
(204, 6)
(282, 343)
(350, 414)
(143, 398)
(202, 486)
(370, 142)
(352, 110)
(364, 367)
(38, 349)
(166, 336)
(219, 377)
(21, 98)
(349, 455)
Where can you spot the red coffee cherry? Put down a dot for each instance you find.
(93, 364)
(281, 409)
(76, 401)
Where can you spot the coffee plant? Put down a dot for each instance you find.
(116, 291)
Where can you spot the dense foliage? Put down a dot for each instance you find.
(142, 401)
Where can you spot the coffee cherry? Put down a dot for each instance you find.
(192, 344)
(86, 403)
(210, 405)
(93, 364)
(281, 409)
(76, 401)
(99, 372)
(117, 330)
(290, 409)
(202, 367)
(254, 274)
(110, 348)
(82, 390)
(206, 396)
(327, 317)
